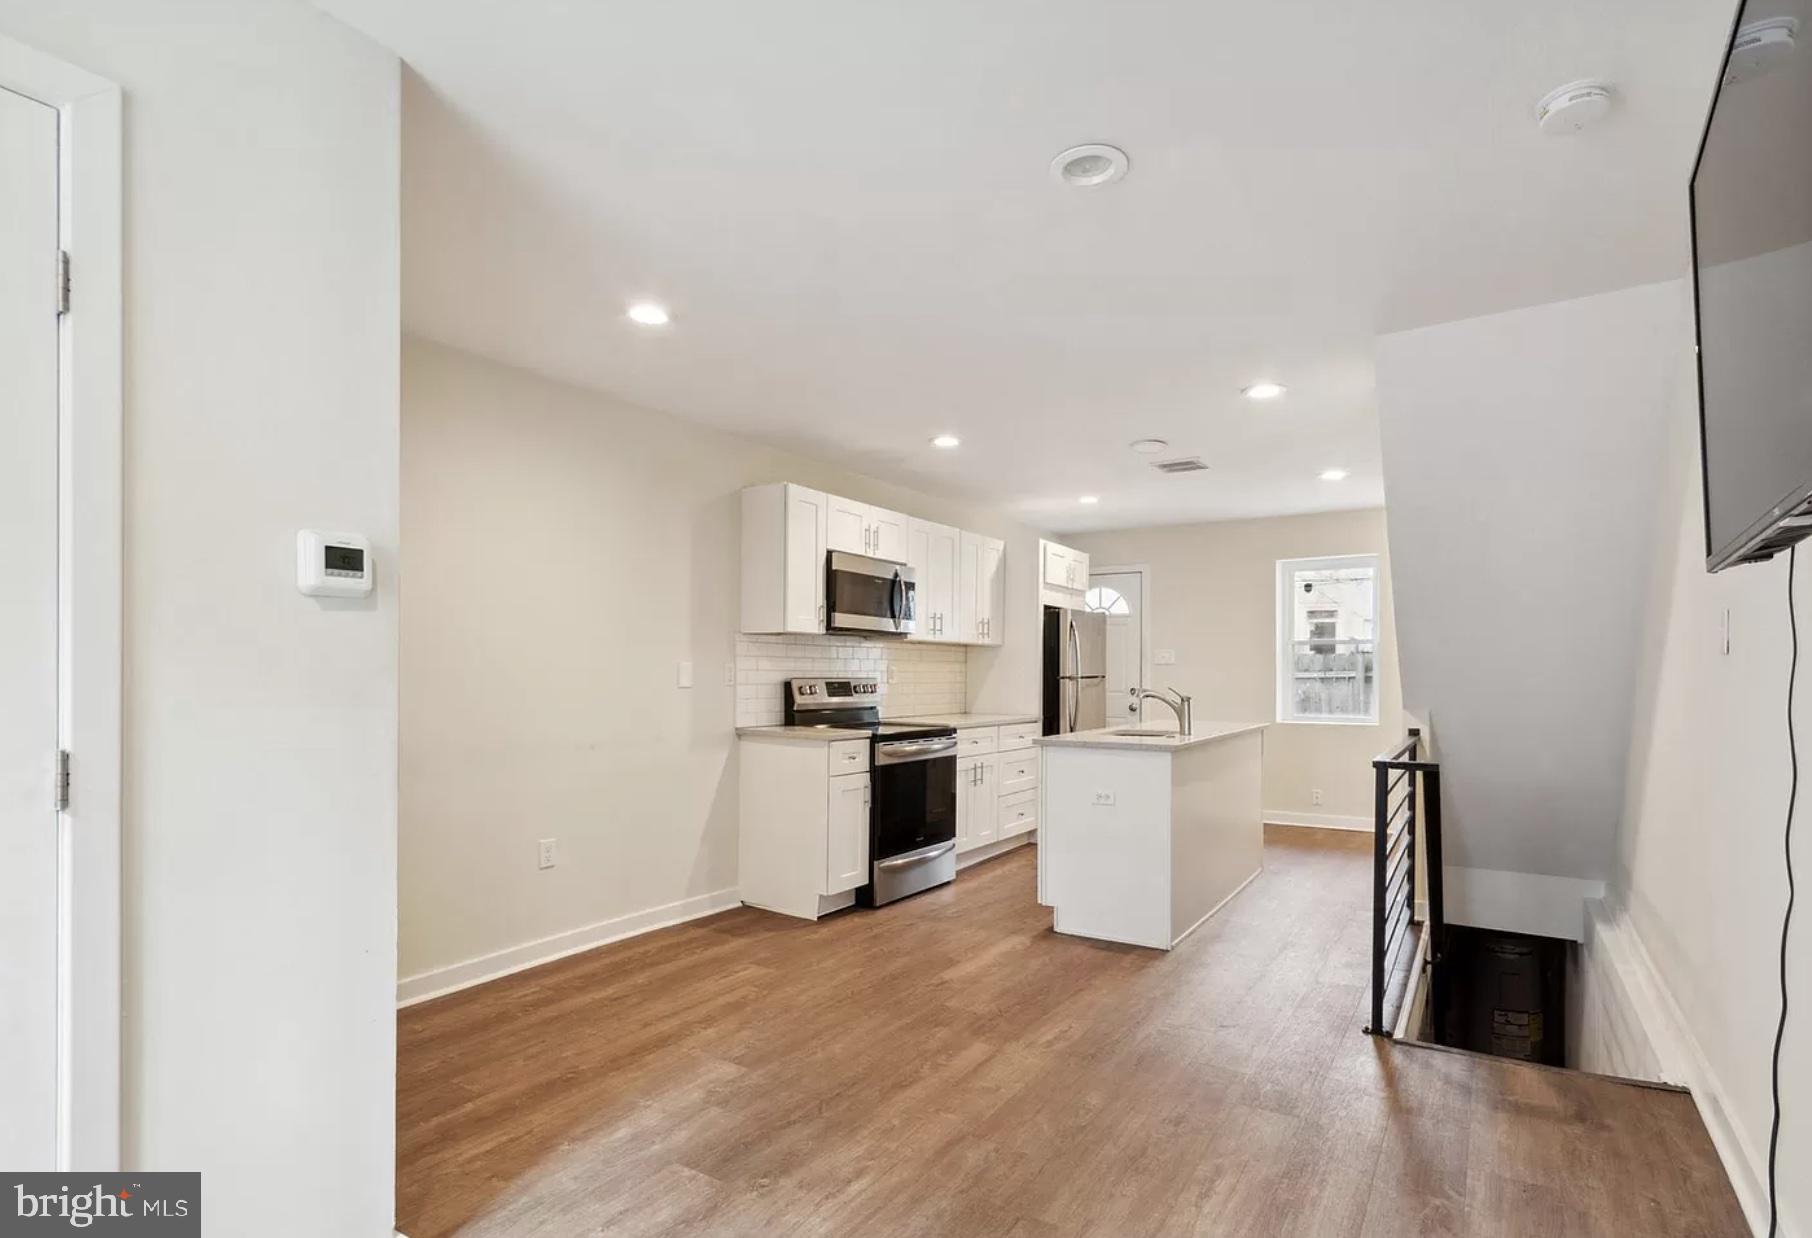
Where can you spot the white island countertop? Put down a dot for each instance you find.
(1170, 741)
(1142, 837)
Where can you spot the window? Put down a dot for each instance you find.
(1327, 648)
(1106, 601)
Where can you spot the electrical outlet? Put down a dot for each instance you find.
(1164, 657)
(729, 674)
(1724, 632)
(547, 857)
(892, 673)
(1104, 798)
(1316, 796)
(684, 675)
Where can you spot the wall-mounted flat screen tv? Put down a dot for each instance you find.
(1752, 269)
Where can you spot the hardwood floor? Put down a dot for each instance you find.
(948, 1067)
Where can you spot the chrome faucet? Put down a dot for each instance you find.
(1179, 705)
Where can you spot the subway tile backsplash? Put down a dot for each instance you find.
(926, 679)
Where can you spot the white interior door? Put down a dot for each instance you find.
(1121, 596)
(28, 633)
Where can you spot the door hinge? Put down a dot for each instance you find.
(62, 780)
(62, 282)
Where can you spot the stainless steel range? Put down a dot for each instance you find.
(912, 785)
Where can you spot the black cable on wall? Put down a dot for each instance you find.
(1780, 1028)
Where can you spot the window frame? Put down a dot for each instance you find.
(1282, 636)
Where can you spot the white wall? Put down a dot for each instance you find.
(261, 249)
(565, 551)
(1698, 869)
(1213, 599)
(1520, 454)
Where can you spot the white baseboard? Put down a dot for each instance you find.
(455, 976)
(1255, 875)
(993, 849)
(1679, 1059)
(1317, 820)
(1535, 903)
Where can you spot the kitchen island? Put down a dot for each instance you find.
(1143, 835)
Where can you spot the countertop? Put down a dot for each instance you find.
(1204, 733)
(802, 734)
(826, 735)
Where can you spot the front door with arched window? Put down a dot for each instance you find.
(1121, 597)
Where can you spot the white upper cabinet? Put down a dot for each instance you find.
(848, 527)
(1063, 574)
(890, 529)
(981, 589)
(932, 551)
(862, 529)
(783, 543)
(787, 531)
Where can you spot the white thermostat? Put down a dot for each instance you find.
(333, 565)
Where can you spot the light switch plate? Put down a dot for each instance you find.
(684, 676)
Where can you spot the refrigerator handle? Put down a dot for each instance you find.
(1075, 675)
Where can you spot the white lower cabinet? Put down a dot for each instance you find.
(977, 788)
(1017, 814)
(996, 791)
(803, 837)
(1019, 772)
(846, 850)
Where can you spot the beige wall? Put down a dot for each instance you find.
(564, 552)
(1213, 600)
(1698, 862)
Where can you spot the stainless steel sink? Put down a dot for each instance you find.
(1143, 733)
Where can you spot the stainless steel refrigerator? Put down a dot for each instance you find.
(1075, 670)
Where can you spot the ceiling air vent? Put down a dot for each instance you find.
(1191, 465)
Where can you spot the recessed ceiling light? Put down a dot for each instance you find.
(1333, 474)
(1262, 391)
(1089, 498)
(1093, 164)
(1150, 446)
(946, 440)
(649, 314)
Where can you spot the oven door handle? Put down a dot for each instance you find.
(916, 858)
(913, 750)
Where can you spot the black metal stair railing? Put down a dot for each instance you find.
(1398, 818)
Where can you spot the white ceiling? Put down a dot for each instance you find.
(847, 205)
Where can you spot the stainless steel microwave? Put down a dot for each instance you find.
(875, 597)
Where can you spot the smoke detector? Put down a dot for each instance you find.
(1759, 48)
(1570, 108)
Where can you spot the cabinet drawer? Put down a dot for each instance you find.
(1019, 735)
(1019, 772)
(849, 757)
(1019, 813)
(974, 739)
